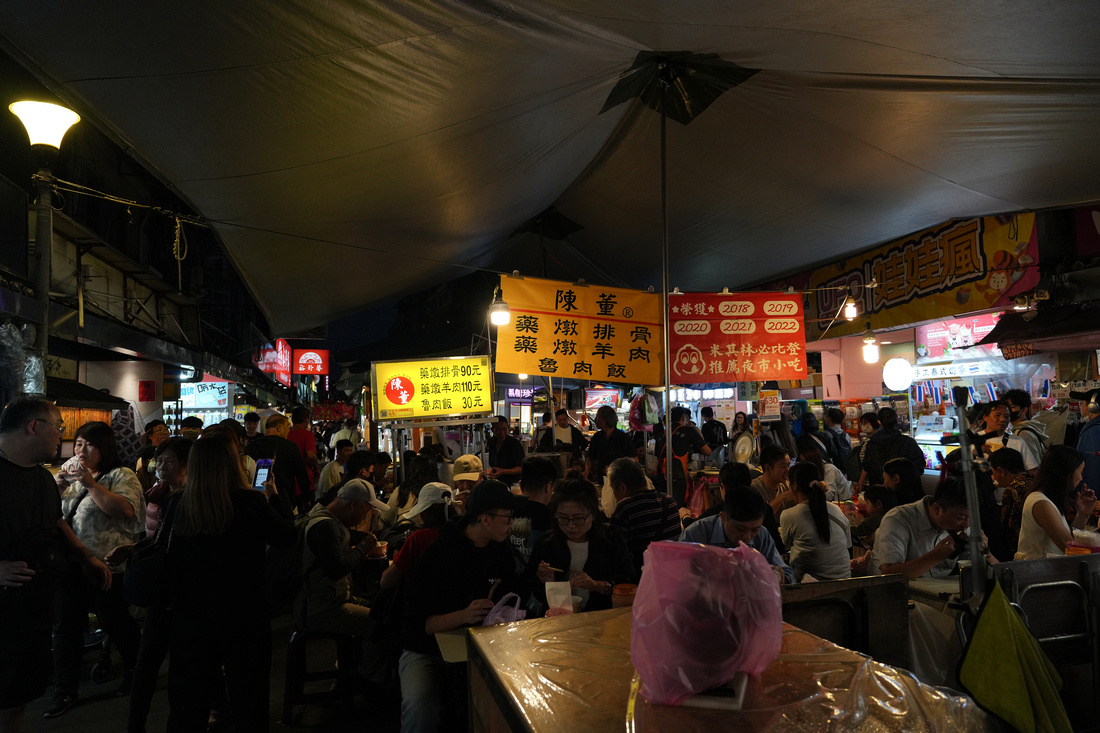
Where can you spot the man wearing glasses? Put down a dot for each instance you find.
(36, 546)
(454, 584)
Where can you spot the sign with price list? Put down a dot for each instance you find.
(736, 337)
(401, 390)
(581, 331)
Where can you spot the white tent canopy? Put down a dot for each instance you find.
(405, 141)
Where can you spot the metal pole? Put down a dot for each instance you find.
(664, 290)
(976, 545)
(43, 240)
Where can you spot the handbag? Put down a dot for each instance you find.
(146, 579)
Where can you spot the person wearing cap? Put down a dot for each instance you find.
(563, 436)
(324, 601)
(455, 583)
(467, 474)
(433, 509)
(1088, 440)
(156, 432)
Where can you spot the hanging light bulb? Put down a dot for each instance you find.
(522, 375)
(850, 308)
(870, 348)
(498, 311)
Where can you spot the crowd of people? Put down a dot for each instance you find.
(452, 543)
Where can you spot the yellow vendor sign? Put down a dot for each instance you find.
(584, 331)
(434, 388)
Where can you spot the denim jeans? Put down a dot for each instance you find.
(423, 685)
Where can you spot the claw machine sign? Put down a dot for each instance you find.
(736, 337)
(401, 390)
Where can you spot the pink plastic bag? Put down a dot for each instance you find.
(701, 615)
(505, 611)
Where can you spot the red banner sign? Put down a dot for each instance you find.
(267, 359)
(282, 361)
(310, 361)
(736, 337)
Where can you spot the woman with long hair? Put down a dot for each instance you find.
(590, 556)
(780, 431)
(740, 425)
(837, 485)
(1059, 502)
(901, 475)
(103, 502)
(220, 529)
(419, 471)
(814, 530)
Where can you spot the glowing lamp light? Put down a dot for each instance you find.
(46, 123)
(522, 376)
(870, 348)
(499, 314)
(850, 308)
(897, 374)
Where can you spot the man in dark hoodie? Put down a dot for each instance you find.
(455, 583)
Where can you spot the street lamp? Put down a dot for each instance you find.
(498, 311)
(46, 126)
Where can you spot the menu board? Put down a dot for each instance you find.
(402, 390)
(581, 331)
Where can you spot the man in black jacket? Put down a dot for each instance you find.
(289, 469)
(454, 584)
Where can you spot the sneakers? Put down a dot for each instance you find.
(59, 706)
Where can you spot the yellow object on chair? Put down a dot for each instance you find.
(1007, 673)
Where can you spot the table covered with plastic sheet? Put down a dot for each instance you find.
(573, 673)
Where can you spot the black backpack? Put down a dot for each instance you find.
(876, 453)
(283, 574)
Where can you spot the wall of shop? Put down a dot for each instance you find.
(123, 378)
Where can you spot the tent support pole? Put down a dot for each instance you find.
(664, 290)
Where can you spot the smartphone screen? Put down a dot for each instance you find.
(263, 468)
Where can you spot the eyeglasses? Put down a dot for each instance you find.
(506, 517)
(59, 427)
(572, 521)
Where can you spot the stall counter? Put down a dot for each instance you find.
(571, 673)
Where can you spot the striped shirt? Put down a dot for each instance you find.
(644, 518)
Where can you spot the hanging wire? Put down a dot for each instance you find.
(179, 251)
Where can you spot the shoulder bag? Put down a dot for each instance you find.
(146, 579)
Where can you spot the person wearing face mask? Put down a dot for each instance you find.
(1059, 502)
(996, 415)
(1032, 432)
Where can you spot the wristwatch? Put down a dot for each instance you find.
(607, 588)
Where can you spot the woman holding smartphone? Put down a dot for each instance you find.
(221, 529)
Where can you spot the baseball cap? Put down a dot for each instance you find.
(431, 493)
(489, 495)
(467, 468)
(359, 490)
(153, 425)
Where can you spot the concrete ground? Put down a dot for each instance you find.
(98, 711)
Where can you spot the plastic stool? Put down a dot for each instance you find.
(297, 674)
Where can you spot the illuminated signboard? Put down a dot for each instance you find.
(282, 361)
(310, 361)
(401, 390)
(520, 393)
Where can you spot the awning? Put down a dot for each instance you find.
(1058, 328)
(69, 393)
